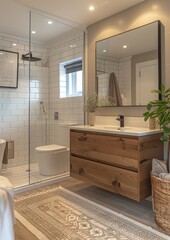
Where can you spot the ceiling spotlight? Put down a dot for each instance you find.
(73, 45)
(125, 46)
(91, 8)
(1, 53)
(50, 22)
(104, 50)
(33, 32)
(14, 44)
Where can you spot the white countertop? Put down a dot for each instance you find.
(133, 131)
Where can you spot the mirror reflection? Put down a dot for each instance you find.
(127, 66)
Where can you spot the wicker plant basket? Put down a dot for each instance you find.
(161, 203)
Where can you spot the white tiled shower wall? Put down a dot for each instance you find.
(70, 109)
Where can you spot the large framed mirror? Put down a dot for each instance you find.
(128, 66)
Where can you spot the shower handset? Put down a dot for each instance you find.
(44, 109)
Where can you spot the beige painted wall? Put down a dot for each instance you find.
(141, 14)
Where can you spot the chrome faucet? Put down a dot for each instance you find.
(120, 118)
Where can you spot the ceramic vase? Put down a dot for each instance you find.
(92, 118)
(152, 123)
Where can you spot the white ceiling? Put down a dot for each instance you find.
(76, 11)
(14, 14)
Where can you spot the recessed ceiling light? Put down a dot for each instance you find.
(50, 22)
(33, 32)
(14, 44)
(1, 53)
(74, 45)
(91, 8)
(125, 46)
(104, 50)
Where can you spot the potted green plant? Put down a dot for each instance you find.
(160, 110)
(91, 106)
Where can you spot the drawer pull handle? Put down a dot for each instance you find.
(82, 139)
(115, 183)
(81, 171)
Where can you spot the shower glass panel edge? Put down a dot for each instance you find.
(36, 103)
(29, 70)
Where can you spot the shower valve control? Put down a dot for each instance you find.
(55, 115)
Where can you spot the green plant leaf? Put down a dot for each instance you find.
(166, 130)
(160, 109)
(147, 115)
(149, 106)
(164, 138)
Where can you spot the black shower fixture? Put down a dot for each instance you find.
(29, 57)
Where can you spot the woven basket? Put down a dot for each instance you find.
(161, 203)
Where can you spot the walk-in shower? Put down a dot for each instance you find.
(28, 110)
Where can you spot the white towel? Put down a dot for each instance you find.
(7, 218)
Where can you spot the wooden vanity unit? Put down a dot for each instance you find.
(119, 162)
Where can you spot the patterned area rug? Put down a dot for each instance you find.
(58, 213)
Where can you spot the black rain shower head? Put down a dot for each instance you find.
(29, 57)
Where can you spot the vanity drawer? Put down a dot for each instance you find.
(117, 180)
(110, 149)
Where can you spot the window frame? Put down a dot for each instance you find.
(66, 68)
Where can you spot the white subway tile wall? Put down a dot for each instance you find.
(70, 110)
(124, 80)
(39, 122)
(103, 84)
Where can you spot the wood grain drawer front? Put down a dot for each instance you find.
(114, 150)
(114, 179)
(150, 147)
